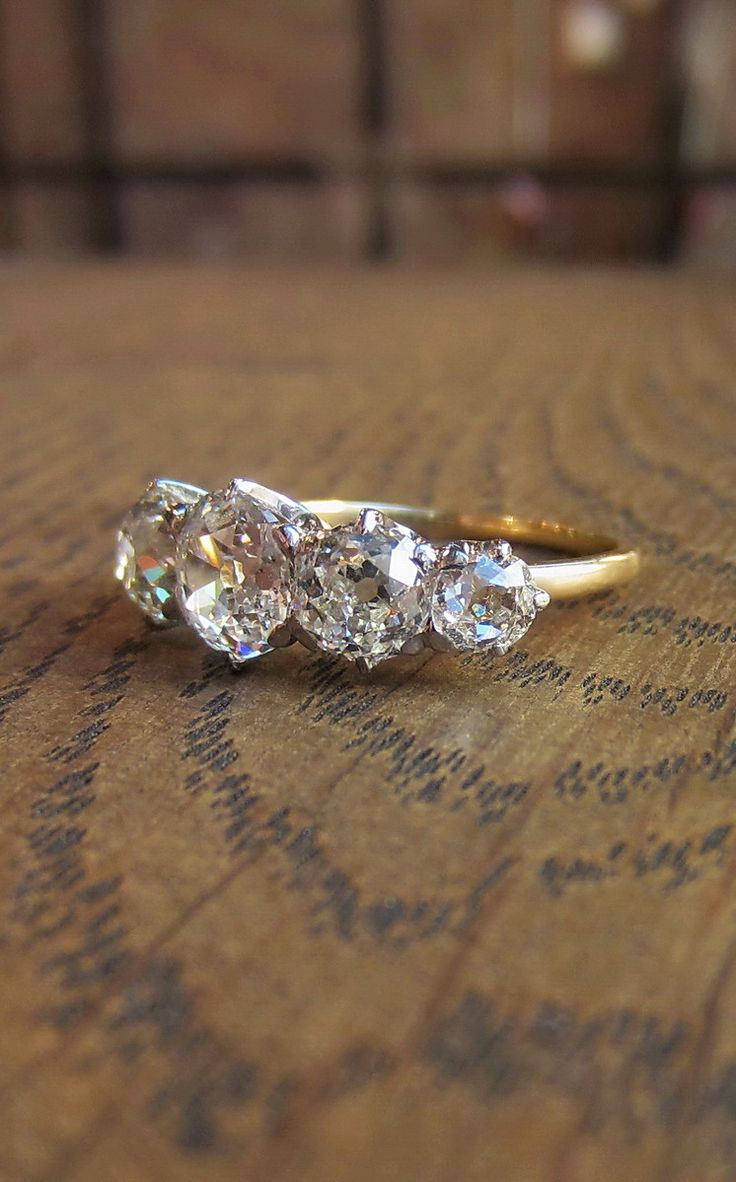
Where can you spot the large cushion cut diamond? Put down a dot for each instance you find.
(484, 594)
(362, 589)
(146, 547)
(235, 567)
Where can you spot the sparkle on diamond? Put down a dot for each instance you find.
(146, 546)
(483, 595)
(235, 570)
(362, 590)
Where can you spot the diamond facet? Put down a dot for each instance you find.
(235, 566)
(362, 590)
(146, 547)
(483, 594)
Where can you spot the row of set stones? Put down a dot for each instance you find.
(252, 570)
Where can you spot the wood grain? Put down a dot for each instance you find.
(463, 920)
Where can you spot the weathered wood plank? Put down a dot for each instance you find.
(464, 919)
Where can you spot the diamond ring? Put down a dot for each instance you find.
(250, 570)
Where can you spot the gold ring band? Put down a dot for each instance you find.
(599, 562)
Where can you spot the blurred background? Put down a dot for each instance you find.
(465, 131)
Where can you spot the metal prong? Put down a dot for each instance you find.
(541, 598)
(281, 637)
(454, 554)
(172, 611)
(300, 634)
(438, 642)
(426, 555)
(310, 524)
(235, 485)
(288, 537)
(413, 645)
(369, 519)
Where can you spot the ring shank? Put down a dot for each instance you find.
(599, 562)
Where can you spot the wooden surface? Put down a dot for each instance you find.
(466, 920)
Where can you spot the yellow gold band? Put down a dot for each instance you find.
(599, 562)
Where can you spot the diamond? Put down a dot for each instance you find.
(362, 590)
(235, 566)
(484, 594)
(146, 547)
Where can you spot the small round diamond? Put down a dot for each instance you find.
(362, 589)
(146, 546)
(483, 594)
(235, 567)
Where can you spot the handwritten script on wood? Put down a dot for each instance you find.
(467, 918)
